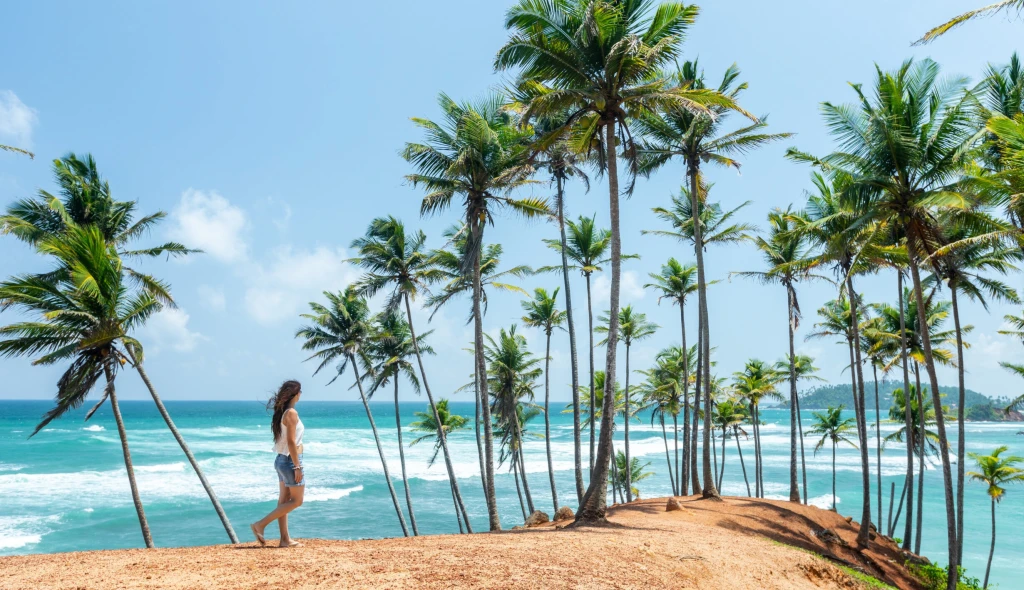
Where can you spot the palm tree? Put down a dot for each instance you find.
(756, 382)
(390, 349)
(789, 261)
(478, 152)
(1016, 326)
(805, 370)
(600, 61)
(562, 163)
(996, 471)
(716, 227)
(339, 332)
(1019, 371)
(449, 423)
(633, 327)
(586, 247)
(694, 136)
(396, 260)
(9, 148)
(542, 312)
(728, 414)
(873, 346)
(677, 282)
(991, 9)
(87, 312)
(511, 375)
(627, 478)
(662, 393)
(85, 199)
(831, 426)
(618, 404)
(905, 147)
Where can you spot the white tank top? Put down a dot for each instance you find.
(281, 444)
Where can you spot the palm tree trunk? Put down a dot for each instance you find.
(803, 457)
(899, 508)
(864, 534)
(739, 451)
(878, 445)
(940, 425)
(794, 417)
(547, 421)
(833, 475)
(595, 500)
(577, 450)
(710, 491)
(678, 480)
(992, 547)
(714, 459)
(721, 472)
(696, 413)
(519, 490)
(922, 441)
(380, 449)
(188, 452)
(629, 482)
(405, 478)
(441, 434)
(668, 457)
(593, 394)
(760, 455)
(908, 416)
(522, 465)
(123, 435)
(479, 439)
(757, 451)
(617, 496)
(683, 473)
(458, 515)
(961, 447)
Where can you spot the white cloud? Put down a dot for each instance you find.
(988, 350)
(207, 221)
(169, 329)
(16, 120)
(630, 290)
(213, 297)
(281, 288)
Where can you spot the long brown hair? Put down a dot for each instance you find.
(279, 404)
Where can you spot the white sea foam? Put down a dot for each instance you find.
(94, 428)
(320, 495)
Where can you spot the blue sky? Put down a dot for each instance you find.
(271, 132)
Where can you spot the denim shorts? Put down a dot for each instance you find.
(286, 471)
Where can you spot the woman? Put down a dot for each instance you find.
(287, 429)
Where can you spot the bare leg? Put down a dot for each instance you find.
(293, 501)
(282, 523)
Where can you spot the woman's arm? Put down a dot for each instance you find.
(291, 418)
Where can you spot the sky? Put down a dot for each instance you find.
(270, 134)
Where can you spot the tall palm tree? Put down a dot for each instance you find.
(678, 282)
(480, 153)
(716, 227)
(587, 249)
(805, 370)
(831, 427)
(728, 414)
(512, 372)
(633, 327)
(873, 346)
(618, 405)
(600, 61)
(339, 332)
(390, 349)
(88, 310)
(757, 381)
(662, 393)
(562, 163)
(85, 199)
(1001, 5)
(542, 312)
(449, 423)
(395, 260)
(676, 132)
(628, 477)
(789, 260)
(996, 471)
(906, 146)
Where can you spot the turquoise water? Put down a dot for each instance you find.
(66, 489)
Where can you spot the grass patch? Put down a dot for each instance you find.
(867, 580)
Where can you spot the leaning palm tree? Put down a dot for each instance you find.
(991, 9)
(678, 282)
(633, 327)
(600, 61)
(996, 471)
(339, 332)
(831, 427)
(789, 260)
(395, 260)
(87, 313)
(85, 200)
(586, 249)
(480, 153)
(390, 350)
(430, 428)
(542, 312)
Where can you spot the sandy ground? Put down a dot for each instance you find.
(736, 544)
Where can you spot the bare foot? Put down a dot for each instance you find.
(286, 545)
(258, 534)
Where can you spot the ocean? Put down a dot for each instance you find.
(66, 490)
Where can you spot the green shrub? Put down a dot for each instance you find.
(933, 577)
